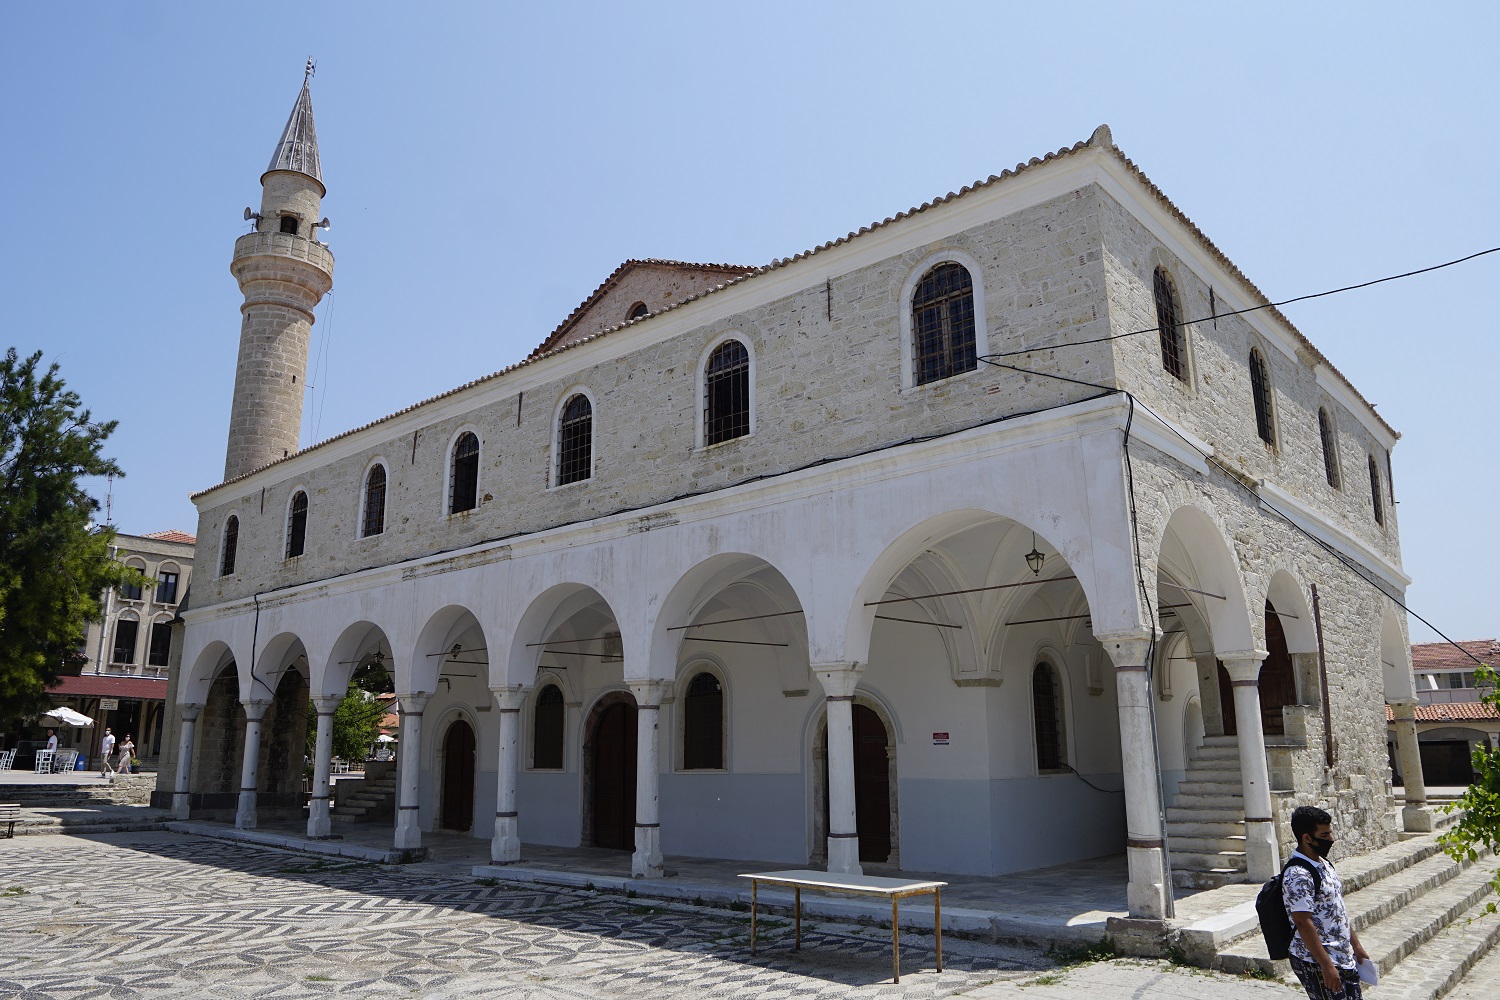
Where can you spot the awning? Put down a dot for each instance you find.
(105, 686)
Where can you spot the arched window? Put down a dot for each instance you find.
(547, 729)
(1330, 448)
(132, 591)
(463, 478)
(374, 519)
(1169, 325)
(231, 546)
(942, 324)
(703, 724)
(1375, 497)
(296, 526)
(637, 311)
(1260, 388)
(1046, 706)
(575, 441)
(726, 393)
(127, 629)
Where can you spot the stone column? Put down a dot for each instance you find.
(1148, 892)
(409, 769)
(1415, 816)
(181, 791)
(1262, 861)
(647, 861)
(319, 826)
(839, 681)
(505, 847)
(255, 711)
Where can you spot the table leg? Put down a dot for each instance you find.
(753, 886)
(799, 918)
(896, 936)
(937, 923)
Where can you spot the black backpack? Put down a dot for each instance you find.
(1270, 906)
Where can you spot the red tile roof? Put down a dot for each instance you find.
(1457, 711)
(92, 685)
(1442, 655)
(173, 535)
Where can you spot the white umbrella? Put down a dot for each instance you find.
(383, 738)
(68, 716)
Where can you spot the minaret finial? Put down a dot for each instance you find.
(311, 71)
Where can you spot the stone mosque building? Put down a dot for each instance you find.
(993, 536)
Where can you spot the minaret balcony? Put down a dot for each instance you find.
(284, 245)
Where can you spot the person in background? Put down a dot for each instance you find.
(127, 750)
(106, 751)
(52, 739)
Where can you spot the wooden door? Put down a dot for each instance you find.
(1278, 681)
(872, 789)
(458, 777)
(1226, 701)
(614, 777)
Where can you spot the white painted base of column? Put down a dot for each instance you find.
(180, 806)
(1261, 862)
(1146, 893)
(843, 855)
(408, 830)
(1416, 819)
(647, 861)
(244, 817)
(319, 826)
(505, 846)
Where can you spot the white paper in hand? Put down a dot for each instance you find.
(1368, 973)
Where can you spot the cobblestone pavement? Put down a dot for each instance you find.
(161, 915)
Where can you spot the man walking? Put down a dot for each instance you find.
(1325, 948)
(106, 750)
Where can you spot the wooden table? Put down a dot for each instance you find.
(894, 889)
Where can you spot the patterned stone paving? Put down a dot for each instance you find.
(159, 915)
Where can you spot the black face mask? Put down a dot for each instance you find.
(1322, 847)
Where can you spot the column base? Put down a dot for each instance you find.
(1417, 819)
(843, 855)
(505, 846)
(180, 807)
(408, 831)
(244, 817)
(319, 826)
(647, 861)
(1261, 859)
(1147, 892)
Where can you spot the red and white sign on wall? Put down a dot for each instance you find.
(939, 739)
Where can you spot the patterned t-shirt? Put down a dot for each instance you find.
(1327, 909)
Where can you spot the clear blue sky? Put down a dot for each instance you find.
(487, 165)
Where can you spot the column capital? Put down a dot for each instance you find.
(1404, 710)
(649, 692)
(255, 710)
(189, 711)
(412, 702)
(1127, 649)
(839, 678)
(327, 704)
(1243, 666)
(510, 697)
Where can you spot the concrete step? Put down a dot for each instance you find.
(1229, 787)
(1223, 757)
(1441, 962)
(1187, 814)
(1183, 828)
(1198, 800)
(1206, 845)
(1185, 879)
(1219, 741)
(1208, 861)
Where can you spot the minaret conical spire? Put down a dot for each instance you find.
(298, 148)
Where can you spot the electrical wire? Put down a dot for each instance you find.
(1248, 309)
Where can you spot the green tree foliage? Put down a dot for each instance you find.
(1478, 826)
(53, 564)
(355, 724)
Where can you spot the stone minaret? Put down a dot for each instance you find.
(283, 271)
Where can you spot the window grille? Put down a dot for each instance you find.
(1169, 326)
(942, 324)
(1375, 497)
(463, 479)
(638, 310)
(374, 522)
(231, 546)
(575, 441)
(703, 724)
(1046, 703)
(547, 729)
(166, 588)
(1260, 388)
(161, 645)
(726, 393)
(125, 634)
(296, 526)
(1330, 448)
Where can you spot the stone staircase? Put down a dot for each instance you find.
(1420, 914)
(1206, 821)
(81, 809)
(374, 800)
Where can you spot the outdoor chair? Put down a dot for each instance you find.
(7, 758)
(64, 761)
(10, 815)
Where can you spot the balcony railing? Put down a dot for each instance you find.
(284, 245)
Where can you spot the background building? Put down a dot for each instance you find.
(1449, 718)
